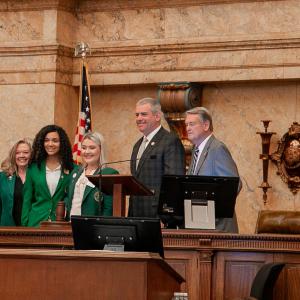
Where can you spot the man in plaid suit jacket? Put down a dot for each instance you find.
(157, 153)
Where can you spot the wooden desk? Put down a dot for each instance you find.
(216, 266)
(87, 275)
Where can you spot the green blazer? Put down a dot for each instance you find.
(92, 203)
(38, 205)
(7, 189)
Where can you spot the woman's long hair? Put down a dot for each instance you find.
(39, 153)
(9, 166)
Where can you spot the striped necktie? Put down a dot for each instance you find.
(194, 161)
(141, 150)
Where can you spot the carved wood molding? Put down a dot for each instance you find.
(36, 238)
(176, 240)
(261, 242)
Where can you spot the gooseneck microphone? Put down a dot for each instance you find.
(99, 172)
(119, 161)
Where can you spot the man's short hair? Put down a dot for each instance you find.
(154, 103)
(203, 114)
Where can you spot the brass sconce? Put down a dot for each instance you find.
(287, 158)
(265, 139)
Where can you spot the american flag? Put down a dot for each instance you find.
(84, 119)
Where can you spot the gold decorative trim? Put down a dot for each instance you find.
(287, 158)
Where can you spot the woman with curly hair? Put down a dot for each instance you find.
(12, 178)
(84, 198)
(48, 176)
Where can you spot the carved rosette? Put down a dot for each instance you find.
(287, 158)
(176, 98)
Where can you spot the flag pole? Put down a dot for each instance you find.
(84, 105)
(82, 49)
(89, 89)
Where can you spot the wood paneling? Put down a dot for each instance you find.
(216, 266)
(70, 274)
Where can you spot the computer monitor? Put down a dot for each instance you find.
(176, 188)
(117, 234)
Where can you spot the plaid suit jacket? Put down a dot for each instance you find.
(163, 155)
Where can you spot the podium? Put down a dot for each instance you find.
(119, 186)
(87, 275)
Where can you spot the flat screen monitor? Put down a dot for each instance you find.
(176, 188)
(117, 234)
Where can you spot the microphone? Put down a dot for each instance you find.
(119, 161)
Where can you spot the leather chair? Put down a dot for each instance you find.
(278, 221)
(264, 282)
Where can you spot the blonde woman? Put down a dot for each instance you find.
(84, 198)
(12, 179)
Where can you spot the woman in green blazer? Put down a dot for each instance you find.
(12, 178)
(48, 176)
(84, 198)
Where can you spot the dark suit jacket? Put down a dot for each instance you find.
(93, 204)
(216, 160)
(163, 155)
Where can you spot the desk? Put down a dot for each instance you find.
(68, 274)
(216, 266)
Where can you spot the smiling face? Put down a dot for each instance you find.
(146, 120)
(23, 153)
(90, 153)
(52, 143)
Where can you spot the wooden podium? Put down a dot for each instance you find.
(119, 186)
(86, 275)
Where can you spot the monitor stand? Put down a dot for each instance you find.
(199, 214)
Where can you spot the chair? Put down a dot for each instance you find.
(282, 222)
(264, 281)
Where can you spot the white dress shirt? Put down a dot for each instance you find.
(52, 178)
(79, 189)
(201, 147)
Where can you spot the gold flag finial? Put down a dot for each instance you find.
(82, 49)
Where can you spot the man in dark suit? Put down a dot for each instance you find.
(157, 153)
(210, 156)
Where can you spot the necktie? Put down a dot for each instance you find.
(194, 161)
(141, 150)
